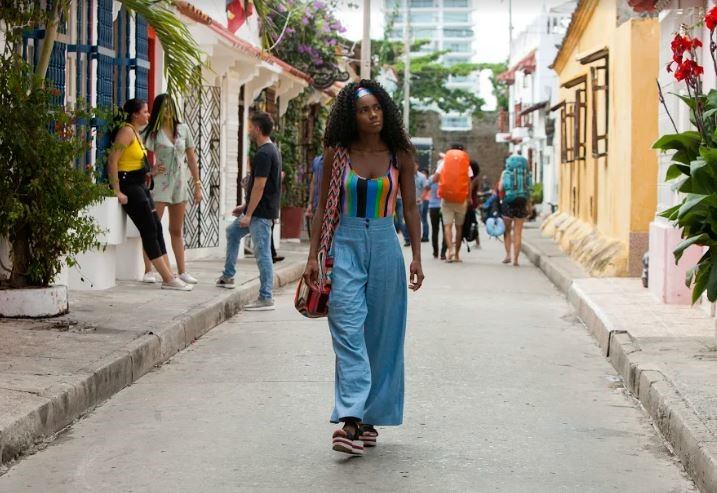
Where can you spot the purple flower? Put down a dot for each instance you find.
(305, 21)
(290, 30)
(281, 8)
(319, 5)
(332, 42)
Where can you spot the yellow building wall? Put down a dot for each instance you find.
(606, 226)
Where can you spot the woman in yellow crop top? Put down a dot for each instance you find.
(125, 169)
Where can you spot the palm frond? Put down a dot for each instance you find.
(182, 55)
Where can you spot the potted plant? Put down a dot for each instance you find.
(694, 160)
(43, 195)
(294, 189)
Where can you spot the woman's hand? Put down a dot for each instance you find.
(311, 271)
(416, 276)
(122, 198)
(159, 169)
(197, 194)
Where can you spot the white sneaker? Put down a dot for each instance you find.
(188, 278)
(150, 277)
(177, 284)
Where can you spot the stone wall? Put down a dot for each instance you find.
(479, 142)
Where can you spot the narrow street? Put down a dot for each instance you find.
(506, 391)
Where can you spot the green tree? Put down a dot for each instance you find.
(428, 76)
(500, 88)
(43, 196)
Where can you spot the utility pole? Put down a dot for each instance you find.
(510, 29)
(366, 42)
(407, 65)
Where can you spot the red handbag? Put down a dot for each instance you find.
(312, 299)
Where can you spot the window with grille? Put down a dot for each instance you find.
(567, 136)
(600, 113)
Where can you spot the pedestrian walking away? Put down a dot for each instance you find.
(422, 188)
(398, 221)
(317, 167)
(368, 301)
(127, 171)
(434, 211)
(454, 177)
(170, 142)
(515, 183)
(256, 216)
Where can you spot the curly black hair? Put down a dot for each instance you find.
(342, 130)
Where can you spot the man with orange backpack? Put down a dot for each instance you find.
(454, 180)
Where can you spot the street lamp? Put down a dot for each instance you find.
(407, 66)
(366, 42)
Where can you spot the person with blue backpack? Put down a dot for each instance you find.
(515, 184)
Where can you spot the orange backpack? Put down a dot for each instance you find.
(454, 183)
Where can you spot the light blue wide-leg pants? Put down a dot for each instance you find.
(367, 319)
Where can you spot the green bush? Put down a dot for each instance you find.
(43, 195)
(536, 194)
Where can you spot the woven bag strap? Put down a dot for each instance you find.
(331, 210)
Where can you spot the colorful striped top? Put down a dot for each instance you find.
(372, 198)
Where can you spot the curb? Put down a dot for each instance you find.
(679, 424)
(104, 378)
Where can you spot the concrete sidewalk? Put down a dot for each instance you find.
(666, 354)
(54, 370)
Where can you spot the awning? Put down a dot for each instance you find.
(535, 107)
(526, 64)
(198, 15)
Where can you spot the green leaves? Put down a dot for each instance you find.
(43, 193)
(685, 244)
(182, 56)
(688, 142)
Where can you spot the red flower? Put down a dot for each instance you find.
(696, 43)
(678, 46)
(711, 19)
(689, 69)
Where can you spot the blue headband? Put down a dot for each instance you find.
(362, 91)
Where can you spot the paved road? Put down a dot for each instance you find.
(505, 392)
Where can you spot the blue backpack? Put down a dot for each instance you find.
(516, 179)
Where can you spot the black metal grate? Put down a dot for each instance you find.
(201, 112)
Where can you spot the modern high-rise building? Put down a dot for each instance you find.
(447, 25)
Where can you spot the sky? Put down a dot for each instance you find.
(491, 23)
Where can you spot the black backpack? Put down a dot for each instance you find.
(470, 225)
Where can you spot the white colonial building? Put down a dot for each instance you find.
(533, 89)
(106, 56)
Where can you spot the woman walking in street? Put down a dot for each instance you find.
(367, 316)
(171, 141)
(127, 176)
